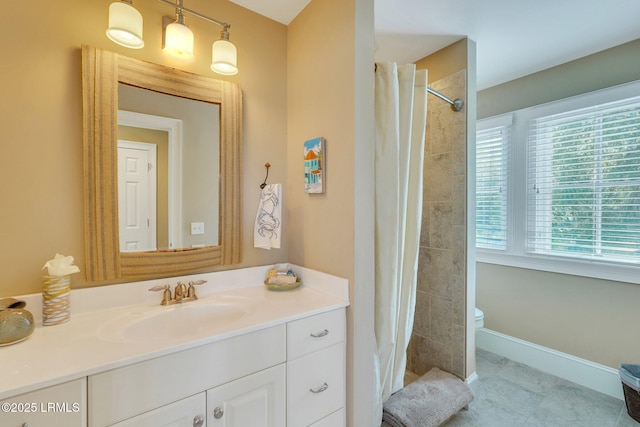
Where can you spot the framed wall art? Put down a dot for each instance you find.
(314, 166)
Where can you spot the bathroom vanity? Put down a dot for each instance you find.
(240, 355)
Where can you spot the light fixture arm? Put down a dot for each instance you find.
(178, 5)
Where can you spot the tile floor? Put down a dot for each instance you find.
(512, 394)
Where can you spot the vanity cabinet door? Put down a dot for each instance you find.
(189, 412)
(257, 400)
(60, 405)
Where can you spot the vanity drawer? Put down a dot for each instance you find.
(59, 405)
(337, 419)
(126, 392)
(310, 334)
(183, 413)
(315, 385)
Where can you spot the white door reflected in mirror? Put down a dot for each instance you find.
(137, 196)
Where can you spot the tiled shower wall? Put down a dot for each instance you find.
(438, 338)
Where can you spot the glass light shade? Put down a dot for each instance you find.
(178, 40)
(224, 58)
(125, 25)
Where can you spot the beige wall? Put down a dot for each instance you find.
(41, 163)
(329, 84)
(589, 318)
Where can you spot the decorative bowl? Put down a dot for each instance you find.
(16, 323)
(282, 286)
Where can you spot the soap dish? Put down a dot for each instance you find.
(282, 286)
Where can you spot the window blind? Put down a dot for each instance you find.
(583, 183)
(492, 157)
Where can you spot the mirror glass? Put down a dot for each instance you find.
(168, 171)
(189, 129)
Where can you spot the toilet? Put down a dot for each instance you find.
(479, 318)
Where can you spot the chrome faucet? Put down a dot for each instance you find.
(181, 293)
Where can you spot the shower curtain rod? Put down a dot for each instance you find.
(456, 104)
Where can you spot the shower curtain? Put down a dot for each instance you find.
(401, 116)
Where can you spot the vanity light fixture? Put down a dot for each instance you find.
(178, 38)
(125, 25)
(125, 28)
(223, 52)
(224, 55)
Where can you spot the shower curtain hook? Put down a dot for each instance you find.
(264, 184)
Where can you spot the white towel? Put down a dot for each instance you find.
(268, 227)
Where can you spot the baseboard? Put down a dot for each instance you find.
(472, 382)
(571, 368)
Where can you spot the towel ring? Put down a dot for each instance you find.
(264, 184)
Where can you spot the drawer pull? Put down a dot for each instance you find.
(198, 421)
(320, 334)
(320, 389)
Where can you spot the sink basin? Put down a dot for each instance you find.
(161, 323)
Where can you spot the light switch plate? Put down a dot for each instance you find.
(197, 228)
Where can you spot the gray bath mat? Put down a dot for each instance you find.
(428, 401)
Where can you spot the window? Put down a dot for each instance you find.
(558, 186)
(492, 154)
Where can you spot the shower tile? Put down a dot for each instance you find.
(459, 138)
(458, 251)
(457, 81)
(459, 164)
(440, 320)
(426, 354)
(459, 353)
(427, 137)
(421, 317)
(459, 300)
(437, 181)
(413, 352)
(423, 269)
(441, 215)
(459, 198)
(440, 128)
(434, 271)
(439, 356)
(426, 224)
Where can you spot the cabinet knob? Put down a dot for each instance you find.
(218, 413)
(320, 334)
(198, 421)
(25, 424)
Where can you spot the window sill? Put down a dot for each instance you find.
(584, 268)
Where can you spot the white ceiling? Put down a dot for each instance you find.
(513, 37)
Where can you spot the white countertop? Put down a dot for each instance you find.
(60, 353)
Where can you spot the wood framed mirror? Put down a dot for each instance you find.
(102, 72)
